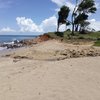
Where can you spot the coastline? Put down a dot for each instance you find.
(50, 50)
(47, 71)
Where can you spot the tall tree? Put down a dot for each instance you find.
(74, 14)
(87, 6)
(84, 26)
(81, 13)
(80, 20)
(62, 16)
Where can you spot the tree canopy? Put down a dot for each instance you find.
(63, 15)
(80, 14)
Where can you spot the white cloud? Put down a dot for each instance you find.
(49, 24)
(95, 24)
(27, 25)
(60, 3)
(70, 5)
(7, 29)
(62, 28)
(97, 5)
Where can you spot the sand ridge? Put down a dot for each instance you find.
(54, 49)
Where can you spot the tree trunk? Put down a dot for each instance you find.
(58, 26)
(76, 28)
(73, 17)
(72, 25)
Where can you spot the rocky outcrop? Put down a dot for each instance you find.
(42, 38)
(67, 53)
(28, 42)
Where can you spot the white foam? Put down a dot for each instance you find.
(3, 48)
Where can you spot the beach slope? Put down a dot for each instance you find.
(28, 75)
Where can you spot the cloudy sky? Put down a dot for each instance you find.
(36, 16)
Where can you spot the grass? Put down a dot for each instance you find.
(97, 43)
(59, 35)
(92, 36)
(55, 35)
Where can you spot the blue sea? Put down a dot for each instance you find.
(10, 38)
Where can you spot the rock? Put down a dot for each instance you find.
(12, 46)
(42, 38)
(78, 53)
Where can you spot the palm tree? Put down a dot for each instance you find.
(62, 16)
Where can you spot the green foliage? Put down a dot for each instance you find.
(80, 18)
(80, 15)
(81, 37)
(67, 35)
(63, 15)
(55, 35)
(97, 43)
(60, 34)
(87, 6)
(92, 10)
(91, 36)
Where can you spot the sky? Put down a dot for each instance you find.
(36, 16)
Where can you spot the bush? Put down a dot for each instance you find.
(81, 37)
(97, 43)
(60, 34)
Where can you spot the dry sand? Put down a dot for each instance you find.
(41, 79)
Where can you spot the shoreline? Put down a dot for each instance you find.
(16, 45)
(51, 49)
(45, 71)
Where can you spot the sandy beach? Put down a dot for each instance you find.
(51, 70)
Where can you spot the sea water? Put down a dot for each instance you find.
(10, 38)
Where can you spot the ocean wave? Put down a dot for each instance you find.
(3, 48)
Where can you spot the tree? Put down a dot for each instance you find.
(87, 6)
(80, 20)
(62, 16)
(74, 14)
(81, 13)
